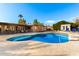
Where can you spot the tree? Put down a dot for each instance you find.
(40, 23)
(21, 21)
(36, 22)
(21, 16)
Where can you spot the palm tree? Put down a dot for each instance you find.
(20, 16)
(21, 21)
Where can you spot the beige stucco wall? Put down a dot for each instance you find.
(65, 25)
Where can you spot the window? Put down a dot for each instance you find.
(63, 27)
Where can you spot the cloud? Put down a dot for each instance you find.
(7, 21)
(1, 20)
(50, 21)
(72, 19)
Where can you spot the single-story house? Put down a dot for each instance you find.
(37, 28)
(65, 27)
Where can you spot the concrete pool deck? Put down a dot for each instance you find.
(35, 48)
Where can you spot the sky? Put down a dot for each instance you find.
(47, 13)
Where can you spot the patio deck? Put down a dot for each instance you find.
(34, 48)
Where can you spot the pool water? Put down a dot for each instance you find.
(48, 38)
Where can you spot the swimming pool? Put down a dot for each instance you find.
(48, 38)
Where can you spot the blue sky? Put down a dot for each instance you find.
(47, 13)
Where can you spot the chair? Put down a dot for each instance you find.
(74, 29)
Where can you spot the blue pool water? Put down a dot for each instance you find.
(48, 38)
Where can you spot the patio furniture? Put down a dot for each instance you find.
(73, 29)
(67, 29)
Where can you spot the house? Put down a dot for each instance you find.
(10, 28)
(65, 27)
(7, 28)
(37, 28)
(49, 28)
